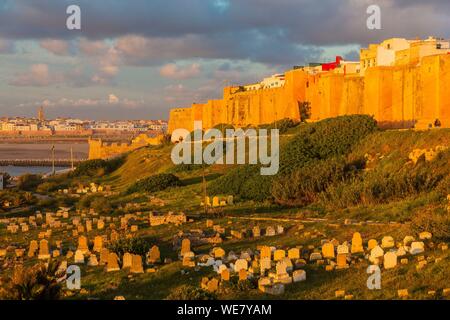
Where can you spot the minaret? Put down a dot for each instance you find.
(41, 116)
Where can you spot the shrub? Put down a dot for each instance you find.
(187, 292)
(134, 245)
(40, 282)
(283, 125)
(432, 221)
(155, 183)
(97, 167)
(304, 185)
(29, 182)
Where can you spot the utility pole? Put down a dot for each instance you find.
(53, 160)
(71, 157)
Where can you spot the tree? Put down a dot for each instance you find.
(304, 110)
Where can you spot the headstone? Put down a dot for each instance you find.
(240, 264)
(417, 247)
(270, 231)
(215, 202)
(33, 248)
(390, 260)
(256, 232)
(375, 254)
(83, 245)
(112, 264)
(98, 244)
(79, 257)
(328, 250)
(218, 252)
(127, 260)
(279, 255)
(341, 260)
(372, 244)
(225, 274)
(342, 249)
(387, 242)
(185, 246)
(243, 275)
(294, 253)
(104, 254)
(154, 255)
(266, 252)
(264, 264)
(44, 253)
(136, 264)
(357, 243)
(92, 262)
(299, 275)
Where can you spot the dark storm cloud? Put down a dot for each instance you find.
(273, 32)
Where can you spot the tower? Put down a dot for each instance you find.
(41, 116)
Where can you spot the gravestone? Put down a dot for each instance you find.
(328, 250)
(279, 255)
(92, 262)
(256, 232)
(185, 246)
(294, 253)
(79, 257)
(44, 253)
(215, 202)
(33, 248)
(136, 264)
(83, 245)
(299, 275)
(342, 249)
(264, 264)
(266, 252)
(390, 260)
(240, 264)
(357, 243)
(104, 256)
(376, 254)
(127, 260)
(341, 260)
(243, 275)
(387, 242)
(218, 252)
(270, 231)
(417, 247)
(112, 264)
(225, 274)
(98, 244)
(154, 255)
(372, 244)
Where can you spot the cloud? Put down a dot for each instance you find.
(7, 46)
(172, 71)
(113, 99)
(37, 76)
(55, 46)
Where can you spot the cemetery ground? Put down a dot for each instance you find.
(104, 195)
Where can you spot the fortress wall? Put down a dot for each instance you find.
(397, 97)
(352, 96)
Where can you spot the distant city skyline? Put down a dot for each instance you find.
(139, 59)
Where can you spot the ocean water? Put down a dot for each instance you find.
(15, 171)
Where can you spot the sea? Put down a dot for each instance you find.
(39, 151)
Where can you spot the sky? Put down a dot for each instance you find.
(138, 59)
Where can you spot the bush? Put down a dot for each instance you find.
(283, 125)
(327, 139)
(305, 185)
(155, 183)
(97, 167)
(432, 221)
(29, 182)
(134, 245)
(40, 282)
(187, 292)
